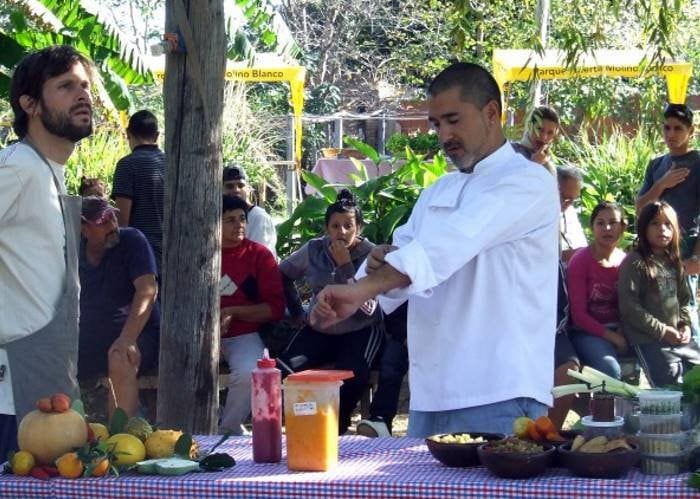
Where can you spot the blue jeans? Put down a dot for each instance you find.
(490, 418)
(596, 352)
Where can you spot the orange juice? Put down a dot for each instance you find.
(311, 419)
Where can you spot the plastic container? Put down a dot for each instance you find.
(660, 401)
(609, 429)
(662, 465)
(266, 409)
(311, 400)
(663, 444)
(660, 423)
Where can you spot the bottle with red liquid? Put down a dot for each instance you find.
(266, 405)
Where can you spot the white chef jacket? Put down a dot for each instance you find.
(481, 250)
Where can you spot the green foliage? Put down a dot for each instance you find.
(96, 157)
(85, 25)
(420, 142)
(386, 202)
(613, 169)
(691, 386)
(252, 140)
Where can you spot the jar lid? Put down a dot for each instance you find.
(588, 421)
(320, 376)
(659, 394)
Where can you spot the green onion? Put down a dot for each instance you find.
(564, 390)
(596, 378)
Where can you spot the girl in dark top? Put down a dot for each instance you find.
(654, 298)
(353, 343)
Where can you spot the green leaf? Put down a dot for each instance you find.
(78, 407)
(365, 149)
(321, 185)
(183, 446)
(118, 421)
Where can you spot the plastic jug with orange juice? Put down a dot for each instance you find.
(311, 400)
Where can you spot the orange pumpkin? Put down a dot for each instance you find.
(50, 435)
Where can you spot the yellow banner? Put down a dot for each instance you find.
(523, 65)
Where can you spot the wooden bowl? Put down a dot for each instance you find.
(516, 464)
(599, 465)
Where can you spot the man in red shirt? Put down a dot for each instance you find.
(251, 294)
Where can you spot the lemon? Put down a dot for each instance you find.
(127, 449)
(520, 426)
(22, 463)
(101, 432)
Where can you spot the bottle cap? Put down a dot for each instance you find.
(266, 361)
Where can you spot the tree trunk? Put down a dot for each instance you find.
(542, 16)
(188, 395)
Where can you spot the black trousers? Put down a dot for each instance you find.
(8, 435)
(353, 351)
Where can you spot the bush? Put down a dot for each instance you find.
(96, 157)
(419, 142)
(386, 201)
(613, 169)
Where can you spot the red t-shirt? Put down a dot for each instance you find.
(593, 291)
(249, 276)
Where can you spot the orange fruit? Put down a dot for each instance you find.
(69, 465)
(22, 463)
(544, 426)
(100, 466)
(532, 432)
(60, 402)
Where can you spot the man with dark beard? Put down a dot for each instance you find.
(39, 232)
(119, 316)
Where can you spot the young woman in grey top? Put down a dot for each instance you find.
(353, 343)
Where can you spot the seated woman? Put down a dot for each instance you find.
(592, 284)
(251, 294)
(353, 343)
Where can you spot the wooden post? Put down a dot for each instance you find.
(188, 395)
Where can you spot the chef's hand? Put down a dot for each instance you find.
(375, 259)
(335, 303)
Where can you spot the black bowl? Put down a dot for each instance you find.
(599, 465)
(568, 436)
(516, 464)
(457, 455)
